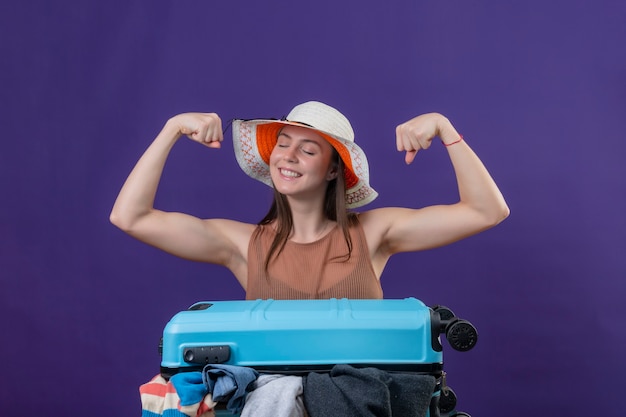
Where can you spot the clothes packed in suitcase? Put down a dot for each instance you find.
(339, 357)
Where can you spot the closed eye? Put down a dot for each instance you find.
(283, 141)
(307, 146)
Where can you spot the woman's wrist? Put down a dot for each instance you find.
(448, 134)
(172, 128)
(170, 133)
(460, 139)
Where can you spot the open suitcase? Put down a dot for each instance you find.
(301, 336)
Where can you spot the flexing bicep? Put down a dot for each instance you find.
(409, 230)
(215, 241)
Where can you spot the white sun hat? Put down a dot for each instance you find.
(254, 140)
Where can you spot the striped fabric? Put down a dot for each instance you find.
(160, 398)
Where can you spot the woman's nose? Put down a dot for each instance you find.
(290, 154)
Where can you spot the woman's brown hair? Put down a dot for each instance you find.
(334, 209)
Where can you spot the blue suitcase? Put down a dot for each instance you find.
(301, 336)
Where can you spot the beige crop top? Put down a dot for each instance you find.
(315, 270)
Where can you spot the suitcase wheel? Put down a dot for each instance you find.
(447, 400)
(461, 335)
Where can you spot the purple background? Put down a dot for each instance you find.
(537, 87)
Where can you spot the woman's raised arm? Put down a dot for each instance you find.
(480, 206)
(215, 240)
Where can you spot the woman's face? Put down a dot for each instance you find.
(301, 162)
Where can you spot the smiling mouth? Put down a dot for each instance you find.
(289, 173)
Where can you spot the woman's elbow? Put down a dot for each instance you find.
(115, 219)
(499, 214)
(120, 221)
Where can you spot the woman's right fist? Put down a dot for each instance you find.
(204, 128)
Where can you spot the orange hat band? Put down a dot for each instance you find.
(267, 136)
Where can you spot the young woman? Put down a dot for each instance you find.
(309, 245)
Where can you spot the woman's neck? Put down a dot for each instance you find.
(309, 223)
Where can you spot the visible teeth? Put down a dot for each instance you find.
(288, 173)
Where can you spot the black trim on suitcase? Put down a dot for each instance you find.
(434, 369)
